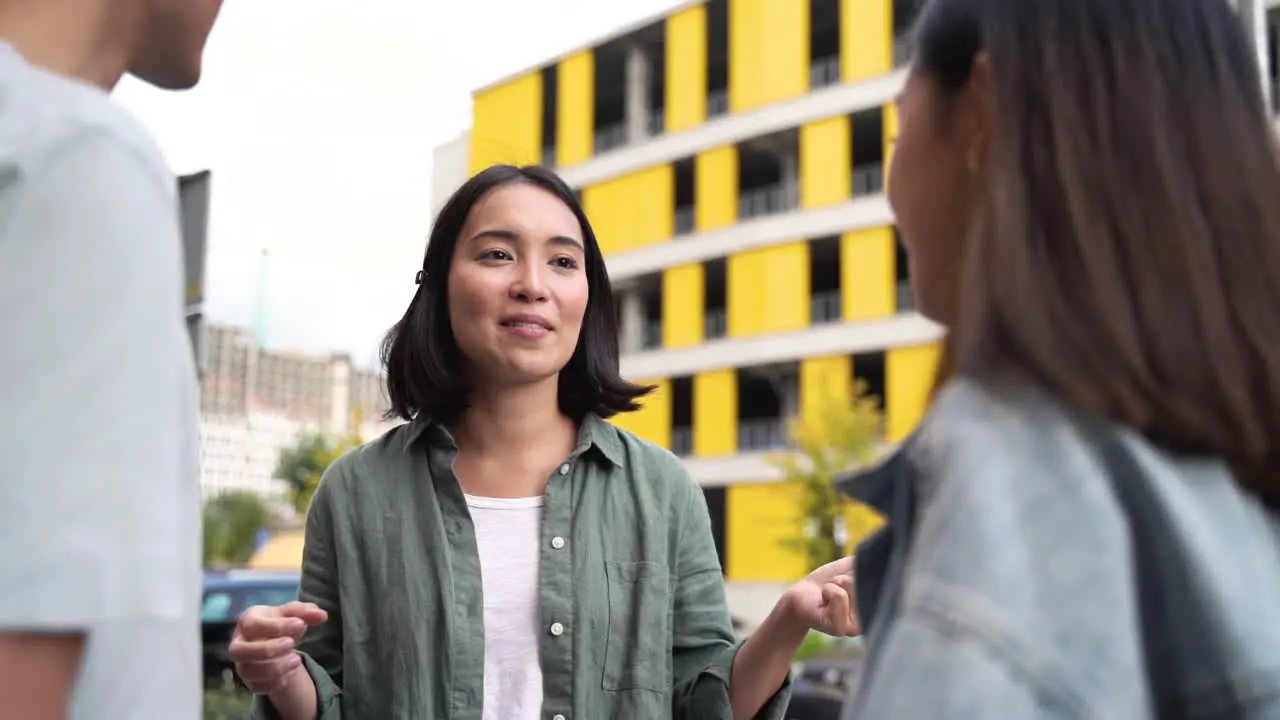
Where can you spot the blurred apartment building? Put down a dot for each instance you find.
(255, 401)
(731, 156)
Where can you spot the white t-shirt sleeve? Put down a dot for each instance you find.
(93, 446)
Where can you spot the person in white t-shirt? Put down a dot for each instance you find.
(99, 481)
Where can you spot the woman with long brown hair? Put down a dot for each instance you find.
(1085, 524)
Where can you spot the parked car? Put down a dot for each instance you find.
(227, 593)
(819, 687)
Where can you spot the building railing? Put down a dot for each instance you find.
(715, 324)
(767, 200)
(684, 220)
(905, 298)
(656, 122)
(868, 179)
(717, 103)
(824, 72)
(682, 441)
(901, 52)
(766, 434)
(610, 137)
(652, 337)
(825, 307)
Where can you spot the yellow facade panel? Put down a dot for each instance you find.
(575, 108)
(909, 377)
(686, 68)
(715, 412)
(768, 52)
(634, 210)
(715, 176)
(507, 127)
(866, 38)
(760, 520)
(890, 136)
(683, 305)
(768, 289)
(653, 420)
(824, 380)
(825, 162)
(867, 285)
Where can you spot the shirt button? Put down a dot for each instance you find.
(564, 469)
(557, 629)
(557, 542)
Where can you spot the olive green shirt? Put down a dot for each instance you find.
(628, 574)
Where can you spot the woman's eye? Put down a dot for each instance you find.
(566, 263)
(496, 255)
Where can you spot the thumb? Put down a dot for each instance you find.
(837, 610)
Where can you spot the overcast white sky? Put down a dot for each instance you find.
(318, 118)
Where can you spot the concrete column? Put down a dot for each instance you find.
(631, 333)
(637, 94)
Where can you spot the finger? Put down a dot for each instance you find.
(265, 624)
(845, 582)
(251, 651)
(269, 676)
(843, 566)
(838, 610)
(309, 613)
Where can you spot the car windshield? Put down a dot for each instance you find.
(224, 604)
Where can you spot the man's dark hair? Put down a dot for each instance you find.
(1125, 253)
(426, 377)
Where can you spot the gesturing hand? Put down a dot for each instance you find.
(262, 647)
(824, 600)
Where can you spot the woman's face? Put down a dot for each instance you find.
(932, 180)
(518, 286)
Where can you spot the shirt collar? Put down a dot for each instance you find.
(594, 435)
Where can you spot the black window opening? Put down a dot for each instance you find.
(826, 304)
(716, 507)
(869, 375)
(550, 92)
(682, 416)
(718, 58)
(685, 219)
(715, 286)
(866, 129)
(824, 43)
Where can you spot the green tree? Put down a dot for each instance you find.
(830, 440)
(302, 464)
(232, 521)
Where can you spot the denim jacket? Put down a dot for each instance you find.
(1036, 566)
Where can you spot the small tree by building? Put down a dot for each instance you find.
(828, 441)
(301, 465)
(232, 522)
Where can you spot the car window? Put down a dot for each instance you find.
(269, 595)
(216, 607)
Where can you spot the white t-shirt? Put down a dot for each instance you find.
(99, 410)
(507, 538)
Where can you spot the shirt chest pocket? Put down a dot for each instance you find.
(638, 648)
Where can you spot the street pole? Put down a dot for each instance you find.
(1253, 13)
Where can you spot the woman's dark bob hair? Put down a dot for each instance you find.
(426, 375)
(1125, 247)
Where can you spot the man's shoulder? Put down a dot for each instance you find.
(43, 115)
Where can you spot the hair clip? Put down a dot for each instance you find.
(417, 279)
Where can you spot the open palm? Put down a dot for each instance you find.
(824, 600)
